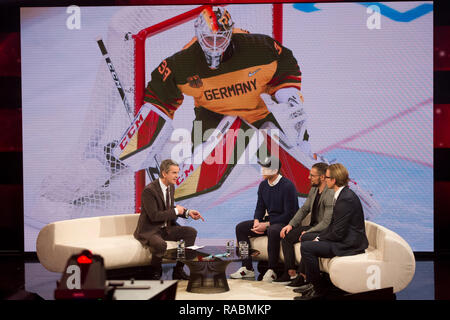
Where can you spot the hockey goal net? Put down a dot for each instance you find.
(91, 183)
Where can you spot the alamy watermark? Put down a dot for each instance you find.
(374, 20)
(73, 21)
(374, 280)
(74, 280)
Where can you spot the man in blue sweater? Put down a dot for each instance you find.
(277, 197)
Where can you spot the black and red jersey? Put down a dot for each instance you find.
(258, 64)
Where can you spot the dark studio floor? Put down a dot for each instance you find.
(21, 277)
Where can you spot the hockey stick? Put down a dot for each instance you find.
(115, 77)
(119, 87)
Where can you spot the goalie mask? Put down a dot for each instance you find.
(213, 29)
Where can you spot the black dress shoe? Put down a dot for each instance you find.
(284, 279)
(312, 294)
(303, 289)
(179, 274)
(297, 282)
(155, 275)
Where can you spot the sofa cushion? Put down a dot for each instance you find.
(387, 262)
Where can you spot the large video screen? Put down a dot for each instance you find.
(366, 83)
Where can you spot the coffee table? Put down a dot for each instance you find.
(207, 272)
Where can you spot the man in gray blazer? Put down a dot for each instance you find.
(319, 205)
(157, 221)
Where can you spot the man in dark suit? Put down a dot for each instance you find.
(345, 235)
(157, 222)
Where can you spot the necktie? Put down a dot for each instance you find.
(167, 198)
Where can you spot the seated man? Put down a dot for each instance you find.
(157, 221)
(344, 236)
(276, 195)
(320, 205)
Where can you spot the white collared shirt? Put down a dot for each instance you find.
(336, 194)
(276, 180)
(164, 191)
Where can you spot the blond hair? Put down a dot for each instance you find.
(340, 173)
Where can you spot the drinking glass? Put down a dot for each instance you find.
(243, 249)
(230, 246)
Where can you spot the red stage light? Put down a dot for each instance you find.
(84, 260)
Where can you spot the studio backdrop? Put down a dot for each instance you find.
(367, 84)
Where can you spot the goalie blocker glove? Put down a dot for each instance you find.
(145, 138)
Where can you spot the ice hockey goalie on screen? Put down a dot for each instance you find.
(228, 72)
(231, 74)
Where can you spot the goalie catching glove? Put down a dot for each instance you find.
(144, 138)
(289, 112)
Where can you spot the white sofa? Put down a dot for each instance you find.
(388, 255)
(387, 262)
(109, 236)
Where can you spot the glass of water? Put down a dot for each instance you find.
(181, 251)
(243, 249)
(230, 247)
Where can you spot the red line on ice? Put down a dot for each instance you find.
(426, 164)
(376, 126)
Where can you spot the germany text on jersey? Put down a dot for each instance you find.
(258, 64)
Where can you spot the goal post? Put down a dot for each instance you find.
(140, 82)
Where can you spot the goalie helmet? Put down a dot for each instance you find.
(213, 29)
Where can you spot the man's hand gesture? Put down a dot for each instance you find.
(194, 214)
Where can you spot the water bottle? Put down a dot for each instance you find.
(181, 249)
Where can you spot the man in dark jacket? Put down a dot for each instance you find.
(157, 222)
(345, 235)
